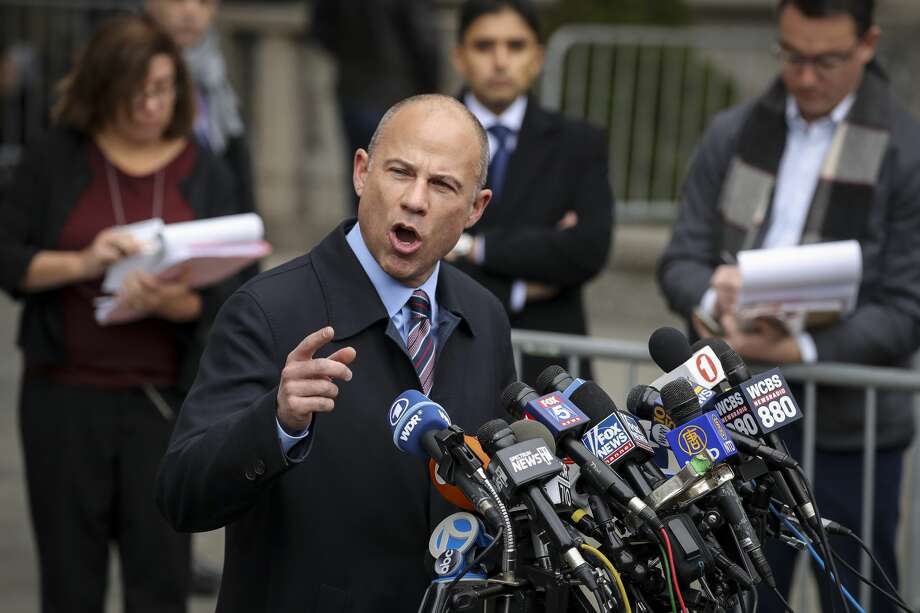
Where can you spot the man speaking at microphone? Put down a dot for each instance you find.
(826, 154)
(284, 438)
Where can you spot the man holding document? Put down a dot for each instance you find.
(826, 154)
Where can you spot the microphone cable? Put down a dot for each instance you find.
(670, 556)
(822, 534)
(479, 558)
(892, 592)
(781, 599)
(667, 576)
(878, 565)
(613, 573)
(894, 598)
(814, 554)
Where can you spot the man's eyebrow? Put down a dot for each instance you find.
(790, 47)
(398, 161)
(447, 178)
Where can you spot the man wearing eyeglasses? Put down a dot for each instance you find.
(825, 154)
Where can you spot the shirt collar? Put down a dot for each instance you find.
(393, 294)
(839, 112)
(512, 118)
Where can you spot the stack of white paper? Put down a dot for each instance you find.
(201, 253)
(791, 283)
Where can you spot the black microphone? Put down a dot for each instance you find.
(616, 437)
(522, 401)
(682, 405)
(644, 401)
(519, 469)
(669, 348)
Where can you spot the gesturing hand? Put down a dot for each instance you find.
(306, 382)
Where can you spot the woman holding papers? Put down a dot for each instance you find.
(97, 403)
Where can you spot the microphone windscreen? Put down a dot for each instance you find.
(593, 401)
(516, 396)
(730, 358)
(526, 429)
(669, 348)
(490, 431)
(553, 379)
(680, 401)
(637, 401)
(411, 416)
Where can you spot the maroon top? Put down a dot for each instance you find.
(118, 355)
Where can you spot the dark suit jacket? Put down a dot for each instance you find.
(559, 165)
(884, 330)
(343, 528)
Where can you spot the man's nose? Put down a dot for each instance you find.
(807, 75)
(415, 198)
(501, 57)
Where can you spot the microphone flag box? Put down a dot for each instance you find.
(704, 434)
(614, 437)
(703, 368)
(454, 543)
(735, 411)
(460, 531)
(760, 405)
(770, 400)
(557, 413)
(523, 463)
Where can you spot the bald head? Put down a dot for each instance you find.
(436, 103)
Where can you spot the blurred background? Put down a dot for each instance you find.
(653, 72)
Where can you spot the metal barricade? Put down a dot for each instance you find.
(655, 90)
(569, 348)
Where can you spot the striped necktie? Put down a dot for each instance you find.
(420, 341)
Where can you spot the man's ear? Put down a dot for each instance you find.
(869, 44)
(479, 207)
(359, 172)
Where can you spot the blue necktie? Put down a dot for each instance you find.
(420, 341)
(498, 165)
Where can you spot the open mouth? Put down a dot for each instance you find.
(405, 239)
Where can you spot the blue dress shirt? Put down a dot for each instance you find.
(394, 296)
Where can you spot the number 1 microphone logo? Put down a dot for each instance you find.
(707, 368)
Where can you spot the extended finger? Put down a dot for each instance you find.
(312, 342)
(316, 368)
(345, 355)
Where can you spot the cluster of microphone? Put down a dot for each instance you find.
(576, 505)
